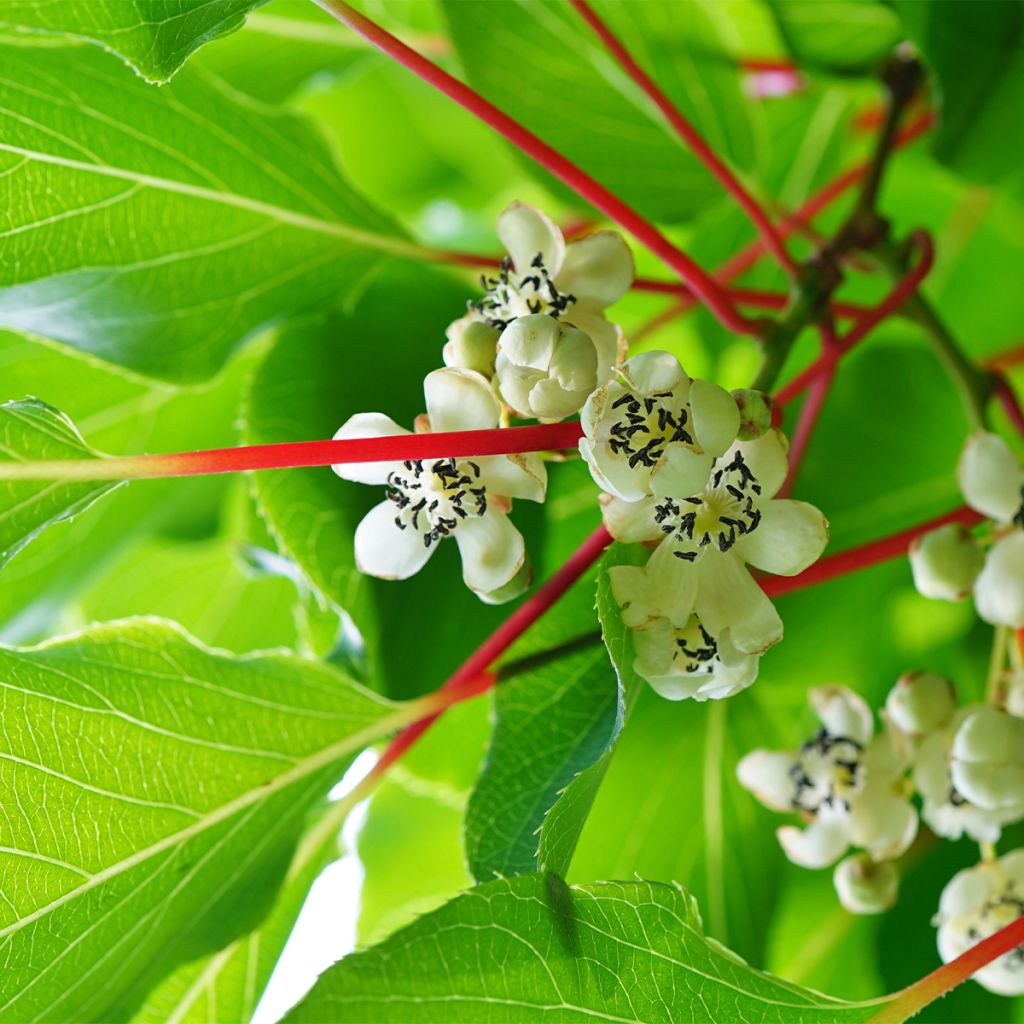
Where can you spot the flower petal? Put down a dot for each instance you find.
(990, 476)
(607, 338)
(716, 417)
(515, 476)
(367, 424)
(883, 824)
(766, 457)
(987, 764)
(790, 537)
(999, 589)
(574, 362)
(631, 522)
(820, 844)
(386, 551)
(459, 400)
(492, 550)
(768, 774)
(525, 232)
(655, 649)
(654, 371)
(728, 598)
(612, 472)
(529, 341)
(598, 267)
(843, 712)
(551, 402)
(663, 589)
(680, 472)
(516, 384)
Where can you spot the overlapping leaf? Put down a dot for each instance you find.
(31, 430)
(153, 36)
(532, 949)
(158, 228)
(155, 789)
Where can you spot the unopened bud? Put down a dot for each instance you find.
(755, 412)
(1015, 695)
(472, 345)
(946, 562)
(987, 760)
(865, 886)
(920, 702)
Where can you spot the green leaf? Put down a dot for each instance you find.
(140, 229)
(533, 949)
(837, 35)
(30, 430)
(563, 823)
(155, 790)
(551, 723)
(155, 37)
(227, 985)
(978, 66)
(539, 62)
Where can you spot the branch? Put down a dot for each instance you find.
(698, 280)
(291, 455)
(707, 156)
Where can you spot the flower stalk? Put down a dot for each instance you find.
(292, 455)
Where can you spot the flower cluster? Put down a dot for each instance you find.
(678, 479)
(536, 345)
(949, 563)
(853, 786)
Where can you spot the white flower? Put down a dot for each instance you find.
(976, 903)
(946, 811)
(846, 782)
(545, 368)
(690, 662)
(987, 760)
(708, 539)
(946, 562)
(1015, 694)
(574, 282)
(430, 499)
(653, 431)
(920, 703)
(992, 481)
(865, 886)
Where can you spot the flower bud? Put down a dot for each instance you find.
(472, 345)
(864, 886)
(987, 760)
(920, 702)
(755, 412)
(545, 368)
(1015, 695)
(946, 562)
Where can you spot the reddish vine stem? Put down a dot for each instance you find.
(1011, 406)
(292, 455)
(900, 293)
(914, 998)
(699, 281)
(478, 665)
(812, 407)
(866, 555)
(758, 297)
(707, 156)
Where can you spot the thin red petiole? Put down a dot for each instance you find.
(292, 455)
(1011, 406)
(758, 297)
(707, 156)
(811, 409)
(914, 998)
(902, 291)
(478, 665)
(699, 281)
(867, 554)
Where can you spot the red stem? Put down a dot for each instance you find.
(902, 291)
(1008, 400)
(475, 669)
(867, 554)
(291, 455)
(913, 998)
(699, 281)
(811, 409)
(689, 135)
(749, 296)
